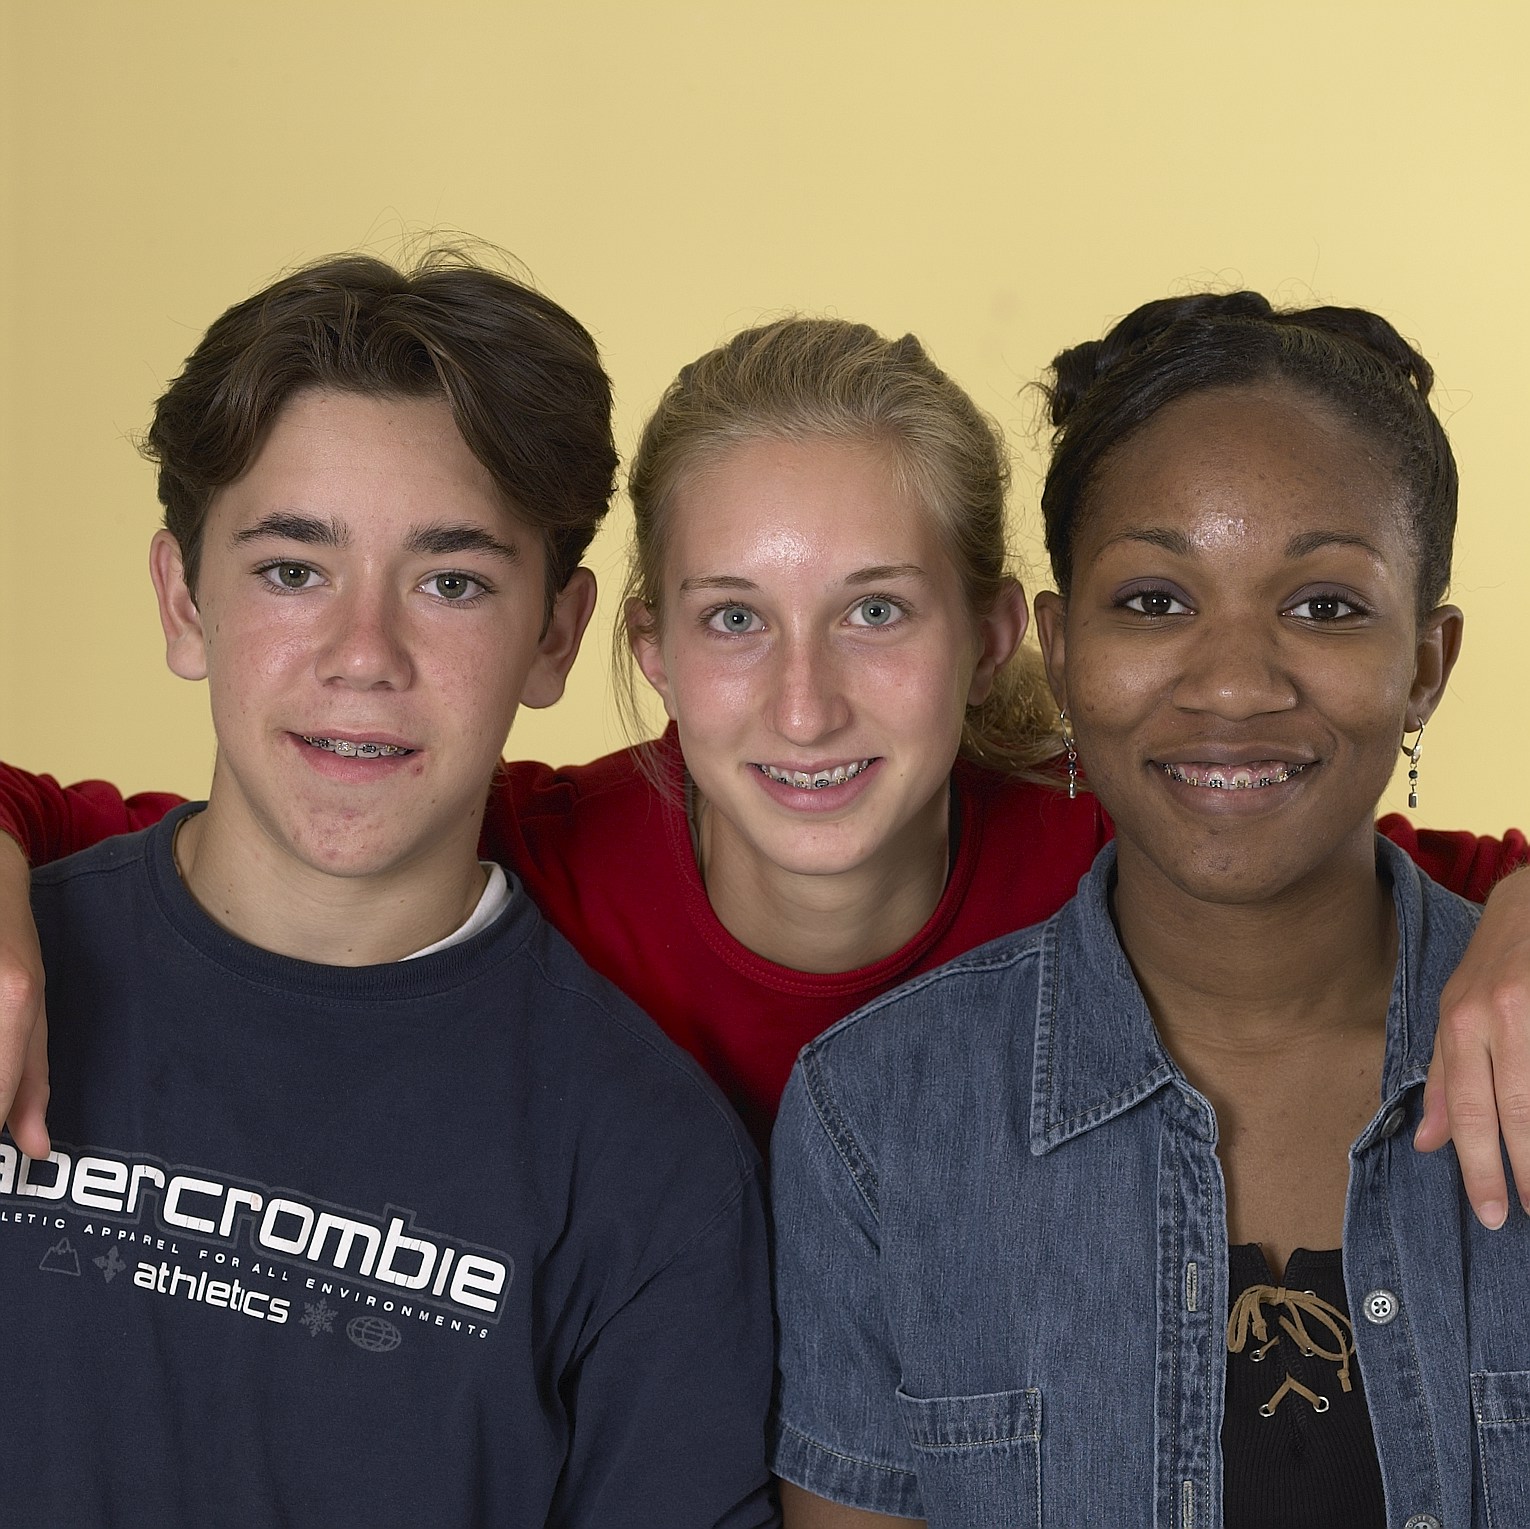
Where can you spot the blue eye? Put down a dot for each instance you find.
(876, 610)
(733, 619)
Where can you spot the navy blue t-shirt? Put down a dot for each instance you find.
(462, 1240)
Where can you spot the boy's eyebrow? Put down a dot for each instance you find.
(293, 527)
(440, 540)
(443, 540)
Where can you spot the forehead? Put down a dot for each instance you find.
(1266, 461)
(772, 506)
(361, 459)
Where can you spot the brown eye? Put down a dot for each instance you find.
(1154, 602)
(1325, 608)
(293, 576)
(454, 588)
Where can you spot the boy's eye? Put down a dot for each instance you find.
(452, 586)
(1155, 602)
(1323, 608)
(291, 575)
(733, 619)
(874, 611)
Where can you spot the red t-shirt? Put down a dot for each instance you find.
(608, 859)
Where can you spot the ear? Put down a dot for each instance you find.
(1000, 630)
(648, 649)
(185, 641)
(1051, 625)
(573, 606)
(1439, 645)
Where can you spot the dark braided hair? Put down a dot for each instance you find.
(1103, 391)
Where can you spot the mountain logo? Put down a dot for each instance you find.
(61, 1259)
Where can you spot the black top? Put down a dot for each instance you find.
(1304, 1463)
(458, 1240)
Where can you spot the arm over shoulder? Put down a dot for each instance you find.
(50, 821)
(1464, 863)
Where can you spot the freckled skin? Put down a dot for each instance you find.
(368, 648)
(1207, 503)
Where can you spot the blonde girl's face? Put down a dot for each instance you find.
(816, 650)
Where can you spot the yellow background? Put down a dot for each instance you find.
(1001, 178)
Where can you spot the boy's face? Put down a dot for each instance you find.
(368, 616)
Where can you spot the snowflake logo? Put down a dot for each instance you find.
(111, 1264)
(318, 1319)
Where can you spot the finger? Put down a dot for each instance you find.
(1511, 1079)
(24, 1060)
(29, 1109)
(1470, 1103)
(1434, 1122)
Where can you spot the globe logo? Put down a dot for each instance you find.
(374, 1334)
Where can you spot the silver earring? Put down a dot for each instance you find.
(1067, 738)
(1413, 751)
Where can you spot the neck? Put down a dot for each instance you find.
(1248, 979)
(250, 887)
(830, 921)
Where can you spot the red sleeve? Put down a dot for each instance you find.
(1462, 862)
(50, 821)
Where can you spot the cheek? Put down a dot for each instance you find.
(1110, 686)
(709, 688)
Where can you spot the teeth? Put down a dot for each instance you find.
(348, 750)
(817, 781)
(1233, 777)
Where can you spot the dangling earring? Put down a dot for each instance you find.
(1413, 751)
(1067, 738)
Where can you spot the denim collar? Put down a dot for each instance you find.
(1098, 1052)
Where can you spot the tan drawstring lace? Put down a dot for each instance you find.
(1294, 1307)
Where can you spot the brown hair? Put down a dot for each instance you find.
(523, 379)
(802, 379)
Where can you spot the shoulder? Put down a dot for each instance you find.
(98, 881)
(959, 1019)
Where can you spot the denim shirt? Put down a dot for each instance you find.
(1002, 1254)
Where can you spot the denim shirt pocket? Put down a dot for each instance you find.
(979, 1457)
(1501, 1408)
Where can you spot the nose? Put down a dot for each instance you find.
(809, 701)
(363, 642)
(1235, 670)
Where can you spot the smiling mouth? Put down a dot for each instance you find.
(348, 750)
(816, 780)
(1217, 777)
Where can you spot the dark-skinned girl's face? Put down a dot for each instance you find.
(1240, 652)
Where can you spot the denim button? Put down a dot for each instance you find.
(1380, 1306)
(1422, 1521)
(1390, 1127)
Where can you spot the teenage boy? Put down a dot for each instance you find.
(369, 1203)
